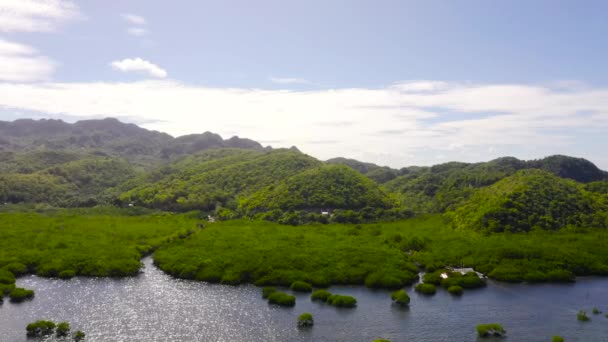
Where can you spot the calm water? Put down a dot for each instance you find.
(156, 307)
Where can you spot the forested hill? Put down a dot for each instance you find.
(106, 162)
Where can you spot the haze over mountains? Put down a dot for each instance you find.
(97, 162)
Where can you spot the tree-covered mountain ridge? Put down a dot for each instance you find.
(107, 162)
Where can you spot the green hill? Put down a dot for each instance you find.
(325, 187)
(532, 199)
(217, 178)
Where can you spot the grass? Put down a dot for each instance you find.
(282, 299)
(83, 242)
(491, 329)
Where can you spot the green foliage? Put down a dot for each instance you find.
(6, 277)
(582, 316)
(282, 299)
(78, 336)
(305, 317)
(557, 339)
(596, 311)
(427, 289)
(270, 254)
(491, 329)
(63, 329)
(20, 294)
(321, 295)
(342, 301)
(468, 281)
(216, 179)
(301, 286)
(381, 340)
(83, 242)
(67, 274)
(325, 187)
(531, 199)
(455, 290)
(267, 291)
(400, 297)
(40, 328)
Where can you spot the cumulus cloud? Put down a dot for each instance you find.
(36, 15)
(393, 125)
(288, 80)
(134, 19)
(22, 63)
(139, 65)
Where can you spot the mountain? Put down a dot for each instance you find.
(109, 137)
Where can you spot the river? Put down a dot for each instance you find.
(156, 307)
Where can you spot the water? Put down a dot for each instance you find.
(156, 307)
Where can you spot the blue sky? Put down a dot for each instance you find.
(392, 82)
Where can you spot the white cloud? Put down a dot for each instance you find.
(35, 15)
(287, 80)
(21, 63)
(387, 125)
(137, 31)
(139, 65)
(134, 19)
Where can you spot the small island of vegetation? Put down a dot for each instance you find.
(490, 329)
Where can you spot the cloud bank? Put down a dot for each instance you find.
(36, 15)
(417, 122)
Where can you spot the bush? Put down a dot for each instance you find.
(557, 339)
(305, 320)
(20, 294)
(381, 340)
(322, 295)
(433, 278)
(67, 274)
(267, 291)
(455, 290)
(63, 329)
(426, 289)
(5, 289)
(400, 297)
(582, 316)
(560, 276)
(342, 301)
(491, 329)
(301, 286)
(16, 268)
(467, 281)
(40, 328)
(79, 336)
(596, 311)
(282, 299)
(6, 277)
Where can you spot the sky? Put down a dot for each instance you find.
(396, 83)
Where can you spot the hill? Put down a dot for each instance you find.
(532, 199)
(321, 188)
(216, 179)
